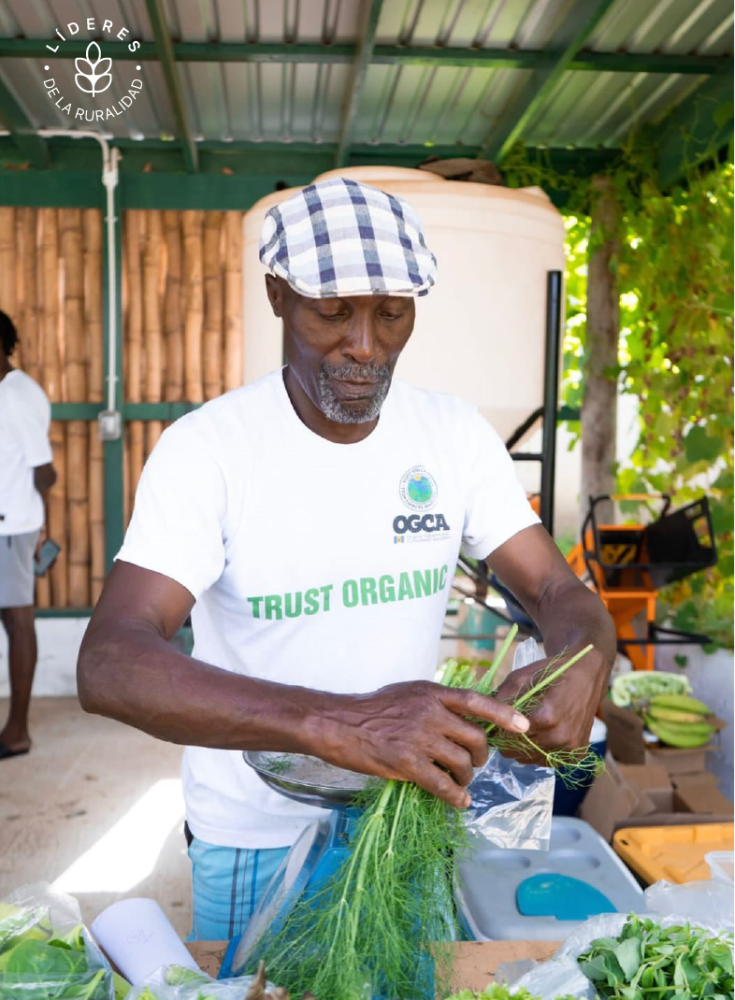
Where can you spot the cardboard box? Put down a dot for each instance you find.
(703, 798)
(475, 962)
(644, 795)
(626, 743)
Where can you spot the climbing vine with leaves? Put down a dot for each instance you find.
(675, 276)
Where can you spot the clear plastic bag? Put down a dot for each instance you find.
(708, 904)
(177, 983)
(512, 803)
(45, 950)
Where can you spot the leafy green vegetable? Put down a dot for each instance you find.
(364, 932)
(495, 992)
(650, 962)
(36, 963)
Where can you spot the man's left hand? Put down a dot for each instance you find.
(566, 708)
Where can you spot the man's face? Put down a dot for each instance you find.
(343, 351)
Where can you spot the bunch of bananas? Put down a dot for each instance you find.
(679, 720)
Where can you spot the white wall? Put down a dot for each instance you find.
(569, 465)
(58, 647)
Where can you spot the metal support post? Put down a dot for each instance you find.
(551, 396)
(114, 517)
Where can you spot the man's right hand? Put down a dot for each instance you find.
(414, 731)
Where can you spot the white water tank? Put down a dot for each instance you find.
(480, 331)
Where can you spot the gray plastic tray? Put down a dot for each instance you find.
(489, 878)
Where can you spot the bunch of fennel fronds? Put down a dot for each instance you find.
(375, 928)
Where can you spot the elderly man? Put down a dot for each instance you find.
(272, 515)
(26, 472)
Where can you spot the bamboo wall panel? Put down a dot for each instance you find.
(8, 297)
(172, 308)
(182, 308)
(234, 340)
(194, 309)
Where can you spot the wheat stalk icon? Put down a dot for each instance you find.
(93, 73)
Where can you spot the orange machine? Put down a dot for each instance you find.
(628, 563)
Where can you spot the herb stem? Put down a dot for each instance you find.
(485, 685)
(550, 678)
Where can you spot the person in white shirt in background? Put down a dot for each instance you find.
(26, 473)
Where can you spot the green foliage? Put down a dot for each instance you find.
(647, 961)
(676, 281)
(37, 963)
(675, 275)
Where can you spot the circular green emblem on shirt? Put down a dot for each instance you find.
(418, 488)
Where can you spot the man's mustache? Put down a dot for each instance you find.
(352, 370)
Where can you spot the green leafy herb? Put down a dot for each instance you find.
(38, 964)
(496, 992)
(365, 932)
(650, 962)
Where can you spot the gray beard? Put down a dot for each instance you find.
(354, 413)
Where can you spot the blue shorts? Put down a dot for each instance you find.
(226, 886)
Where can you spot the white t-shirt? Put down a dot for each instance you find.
(25, 415)
(313, 563)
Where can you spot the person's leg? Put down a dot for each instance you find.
(17, 584)
(22, 653)
(227, 884)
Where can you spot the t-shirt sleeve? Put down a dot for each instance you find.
(180, 505)
(497, 507)
(31, 420)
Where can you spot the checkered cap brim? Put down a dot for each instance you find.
(339, 238)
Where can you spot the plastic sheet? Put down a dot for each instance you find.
(178, 983)
(708, 904)
(45, 951)
(512, 803)
(701, 903)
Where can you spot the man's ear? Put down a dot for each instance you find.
(274, 292)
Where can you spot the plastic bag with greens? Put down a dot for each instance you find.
(177, 983)
(46, 953)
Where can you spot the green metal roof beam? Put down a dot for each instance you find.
(696, 130)
(593, 62)
(164, 47)
(362, 62)
(385, 55)
(575, 29)
(14, 118)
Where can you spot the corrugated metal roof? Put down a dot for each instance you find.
(400, 103)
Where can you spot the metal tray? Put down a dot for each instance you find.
(306, 779)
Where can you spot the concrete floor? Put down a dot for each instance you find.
(68, 813)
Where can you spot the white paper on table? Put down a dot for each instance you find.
(139, 938)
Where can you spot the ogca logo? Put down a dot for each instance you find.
(93, 75)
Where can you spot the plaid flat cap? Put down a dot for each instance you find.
(340, 238)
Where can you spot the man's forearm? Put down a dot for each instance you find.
(571, 617)
(135, 676)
